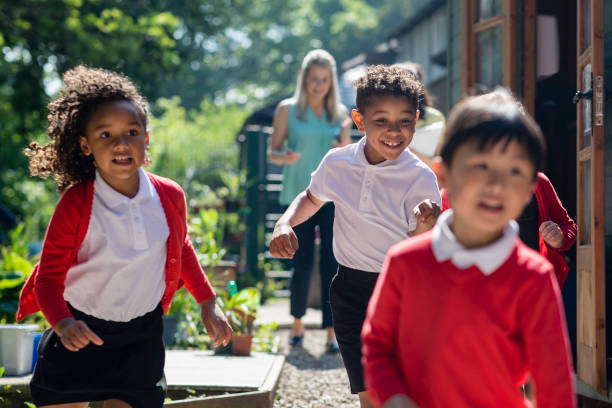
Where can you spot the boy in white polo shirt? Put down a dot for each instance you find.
(382, 194)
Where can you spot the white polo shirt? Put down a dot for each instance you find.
(374, 203)
(119, 274)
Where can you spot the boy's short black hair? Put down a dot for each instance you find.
(489, 119)
(386, 80)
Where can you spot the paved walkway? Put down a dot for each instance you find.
(256, 375)
(278, 310)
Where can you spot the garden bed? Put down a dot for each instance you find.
(196, 379)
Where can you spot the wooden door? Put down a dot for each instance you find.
(591, 333)
(489, 45)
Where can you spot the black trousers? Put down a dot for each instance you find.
(303, 262)
(350, 293)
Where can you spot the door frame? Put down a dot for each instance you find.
(591, 295)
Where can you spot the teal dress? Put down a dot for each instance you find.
(312, 138)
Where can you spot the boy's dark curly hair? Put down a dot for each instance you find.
(84, 90)
(386, 80)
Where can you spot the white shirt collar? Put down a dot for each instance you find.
(488, 259)
(112, 198)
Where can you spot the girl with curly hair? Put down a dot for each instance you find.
(115, 251)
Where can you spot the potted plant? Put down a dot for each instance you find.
(241, 309)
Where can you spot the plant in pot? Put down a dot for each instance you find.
(241, 309)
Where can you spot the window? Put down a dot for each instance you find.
(489, 45)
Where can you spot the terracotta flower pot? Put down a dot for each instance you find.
(241, 344)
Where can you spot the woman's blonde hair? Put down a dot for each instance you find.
(332, 103)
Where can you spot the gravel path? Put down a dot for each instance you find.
(311, 378)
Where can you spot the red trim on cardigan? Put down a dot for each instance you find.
(550, 208)
(44, 288)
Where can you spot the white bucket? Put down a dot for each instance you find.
(16, 347)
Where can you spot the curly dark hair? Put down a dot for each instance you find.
(386, 80)
(84, 90)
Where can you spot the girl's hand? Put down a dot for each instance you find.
(215, 322)
(551, 234)
(284, 242)
(400, 401)
(291, 156)
(75, 334)
(426, 214)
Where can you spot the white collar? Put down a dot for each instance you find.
(488, 259)
(113, 198)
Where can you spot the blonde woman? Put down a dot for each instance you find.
(306, 126)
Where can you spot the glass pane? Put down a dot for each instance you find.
(585, 203)
(587, 109)
(487, 9)
(586, 24)
(489, 58)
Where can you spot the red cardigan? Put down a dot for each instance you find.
(450, 337)
(549, 208)
(44, 288)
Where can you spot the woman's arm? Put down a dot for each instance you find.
(345, 132)
(279, 134)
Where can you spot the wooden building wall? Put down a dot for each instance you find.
(454, 52)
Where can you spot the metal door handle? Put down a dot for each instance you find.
(580, 95)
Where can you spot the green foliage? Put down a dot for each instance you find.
(241, 308)
(195, 144)
(206, 231)
(35, 200)
(265, 339)
(219, 52)
(15, 267)
(190, 329)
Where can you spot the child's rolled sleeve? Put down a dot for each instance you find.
(318, 182)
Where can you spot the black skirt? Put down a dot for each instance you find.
(129, 365)
(349, 295)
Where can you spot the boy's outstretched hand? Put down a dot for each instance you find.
(215, 322)
(284, 242)
(426, 214)
(75, 334)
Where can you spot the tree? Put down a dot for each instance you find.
(221, 51)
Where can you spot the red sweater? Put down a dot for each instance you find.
(549, 209)
(457, 338)
(44, 289)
